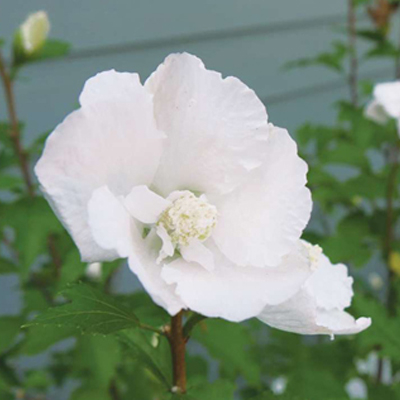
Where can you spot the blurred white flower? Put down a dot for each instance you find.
(185, 177)
(375, 280)
(34, 31)
(278, 385)
(386, 103)
(356, 388)
(318, 308)
(93, 270)
(370, 366)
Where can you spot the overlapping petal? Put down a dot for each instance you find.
(232, 292)
(263, 218)
(106, 142)
(114, 229)
(318, 308)
(217, 128)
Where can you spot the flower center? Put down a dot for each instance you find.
(189, 217)
(314, 253)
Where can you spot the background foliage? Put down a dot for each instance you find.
(96, 344)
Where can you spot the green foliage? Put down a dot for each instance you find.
(220, 337)
(90, 311)
(333, 60)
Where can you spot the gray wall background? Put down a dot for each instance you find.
(250, 39)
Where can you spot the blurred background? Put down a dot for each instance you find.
(250, 39)
(254, 40)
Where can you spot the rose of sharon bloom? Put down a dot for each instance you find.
(33, 32)
(318, 308)
(185, 178)
(386, 103)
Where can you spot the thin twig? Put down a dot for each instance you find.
(390, 223)
(353, 73)
(15, 133)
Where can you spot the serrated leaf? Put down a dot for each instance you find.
(90, 311)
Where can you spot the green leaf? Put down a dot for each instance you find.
(54, 49)
(221, 389)
(9, 329)
(90, 311)
(10, 182)
(72, 268)
(33, 222)
(150, 357)
(383, 334)
(220, 338)
(351, 242)
(332, 60)
(40, 338)
(7, 267)
(96, 358)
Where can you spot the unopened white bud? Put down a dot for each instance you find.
(33, 33)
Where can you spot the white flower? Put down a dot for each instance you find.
(318, 308)
(356, 388)
(186, 178)
(386, 103)
(34, 31)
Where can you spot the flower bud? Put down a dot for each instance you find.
(31, 36)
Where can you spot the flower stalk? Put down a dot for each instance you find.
(15, 133)
(177, 342)
(353, 74)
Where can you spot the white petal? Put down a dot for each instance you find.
(198, 253)
(112, 143)
(167, 249)
(143, 263)
(388, 95)
(318, 308)
(263, 219)
(112, 86)
(216, 128)
(330, 285)
(376, 112)
(341, 323)
(110, 223)
(145, 205)
(114, 229)
(235, 293)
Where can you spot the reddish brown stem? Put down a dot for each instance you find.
(390, 222)
(353, 74)
(178, 347)
(15, 131)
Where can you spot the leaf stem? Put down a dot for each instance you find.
(15, 134)
(178, 348)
